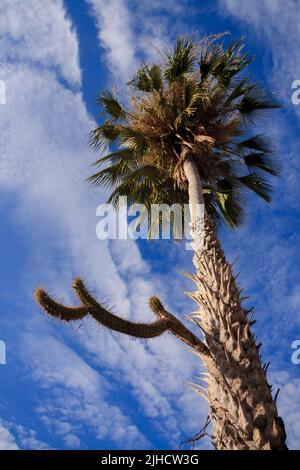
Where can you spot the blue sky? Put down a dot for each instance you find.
(76, 386)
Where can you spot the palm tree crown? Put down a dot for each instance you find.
(194, 104)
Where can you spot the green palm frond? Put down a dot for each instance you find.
(104, 135)
(263, 161)
(231, 202)
(238, 89)
(258, 184)
(111, 105)
(223, 64)
(133, 139)
(226, 204)
(260, 143)
(114, 157)
(137, 192)
(180, 60)
(256, 103)
(112, 175)
(191, 93)
(148, 78)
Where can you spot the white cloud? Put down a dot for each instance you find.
(277, 22)
(39, 33)
(289, 405)
(137, 30)
(15, 437)
(115, 34)
(154, 374)
(77, 396)
(44, 161)
(44, 157)
(7, 440)
(27, 438)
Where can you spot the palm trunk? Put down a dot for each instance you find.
(243, 411)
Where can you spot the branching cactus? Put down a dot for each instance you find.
(89, 306)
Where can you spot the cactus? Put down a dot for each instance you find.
(59, 310)
(165, 322)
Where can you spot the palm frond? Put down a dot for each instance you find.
(191, 93)
(256, 103)
(114, 157)
(231, 202)
(263, 161)
(104, 135)
(148, 78)
(226, 204)
(260, 143)
(112, 175)
(223, 64)
(135, 180)
(258, 184)
(111, 105)
(133, 139)
(180, 60)
(238, 89)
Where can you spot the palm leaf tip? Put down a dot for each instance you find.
(258, 184)
(223, 63)
(263, 162)
(111, 105)
(259, 143)
(231, 204)
(148, 78)
(181, 59)
(39, 295)
(104, 135)
(256, 103)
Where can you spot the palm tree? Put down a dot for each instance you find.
(186, 138)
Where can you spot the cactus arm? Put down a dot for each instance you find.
(138, 330)
(83, 294)
(178, 328)
(99, 313)
(89, 306)
(115, 323)
(59, 310)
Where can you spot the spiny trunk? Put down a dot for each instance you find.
(243, 411)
